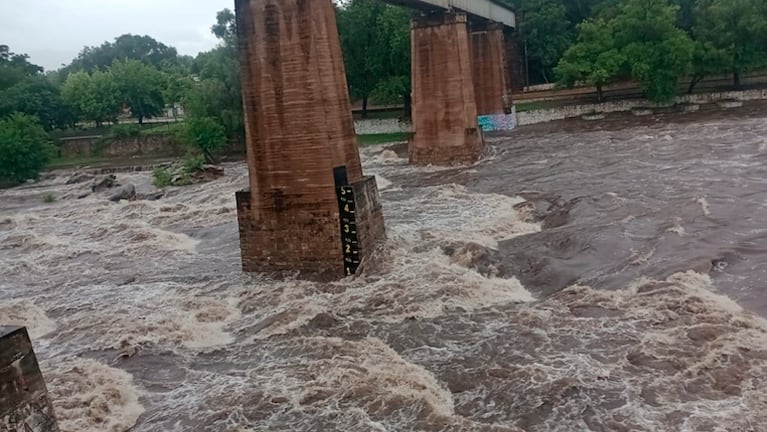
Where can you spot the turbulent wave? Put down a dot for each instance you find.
(143, 320)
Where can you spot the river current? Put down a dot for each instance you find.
(580, 277)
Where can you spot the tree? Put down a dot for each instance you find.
(24, 148)
(225, 28)
(176, 90)
(206, 135)
(737, 29)
(707, 60)
(95, 97)
(594, 59)
(217, 92)
(657, 53)
(547, 34)
(38, 97)
(14, 68)
(126, 47)
(358, 31)
(140, 87)
(393, 34)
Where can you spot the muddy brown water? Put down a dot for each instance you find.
(581, 277)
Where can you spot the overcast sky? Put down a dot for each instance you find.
(52, 32)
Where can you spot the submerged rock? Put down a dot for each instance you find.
(127, 192)
(104, 183)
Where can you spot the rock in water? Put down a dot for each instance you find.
(152, 196)
(104, 183)
(127, 192)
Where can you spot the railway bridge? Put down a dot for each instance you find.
(460, 72)
(309, 207)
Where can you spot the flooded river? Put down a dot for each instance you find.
(581, 277)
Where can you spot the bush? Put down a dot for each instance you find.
(125, 131)
(192, 164)
(25, 148)
(49, 198)
(206, 135)
(162, 177)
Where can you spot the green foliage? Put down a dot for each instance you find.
(14, 68)
(126, 47)
(373, 139)
(95, 97)
(194, 163)
(125, 131)
(178, 175)
(218, 93)
(49, 198)
(225, 28)
(24, 148)
(162, 177)
(205, 135)
(140, 88)
(547, 32)
(375, 38)
(641, 40)
(657, 53)
(594, 60)
(37, 96)
(735, 31)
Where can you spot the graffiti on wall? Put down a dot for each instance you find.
(498, 122)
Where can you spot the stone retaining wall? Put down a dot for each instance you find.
(152, 145)
(547, 115)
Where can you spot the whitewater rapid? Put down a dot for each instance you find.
(546, 288)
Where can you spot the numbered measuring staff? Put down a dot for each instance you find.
(349, 239)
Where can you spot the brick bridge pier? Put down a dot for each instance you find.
(309, 208)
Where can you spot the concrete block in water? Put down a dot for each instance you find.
(24, 402)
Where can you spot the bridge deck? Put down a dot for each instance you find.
(487, 9)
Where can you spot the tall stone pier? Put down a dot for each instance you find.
(309, 207)
(24, 402)
(444, 103)
(490, 69)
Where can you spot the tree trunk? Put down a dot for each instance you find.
(694, 82)
(365, 107)
(736, 79)
(407, 111)
(140, 120)
(600, 94)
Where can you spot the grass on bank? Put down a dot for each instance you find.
(366, 140)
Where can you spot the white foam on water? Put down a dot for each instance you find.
(156, 315)
(452, 212)
(254, 358)
(91, 397)
(672, 349)
(678, 229)
(26, 314)
(388, 157)
(704, 205)
(383, 182)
